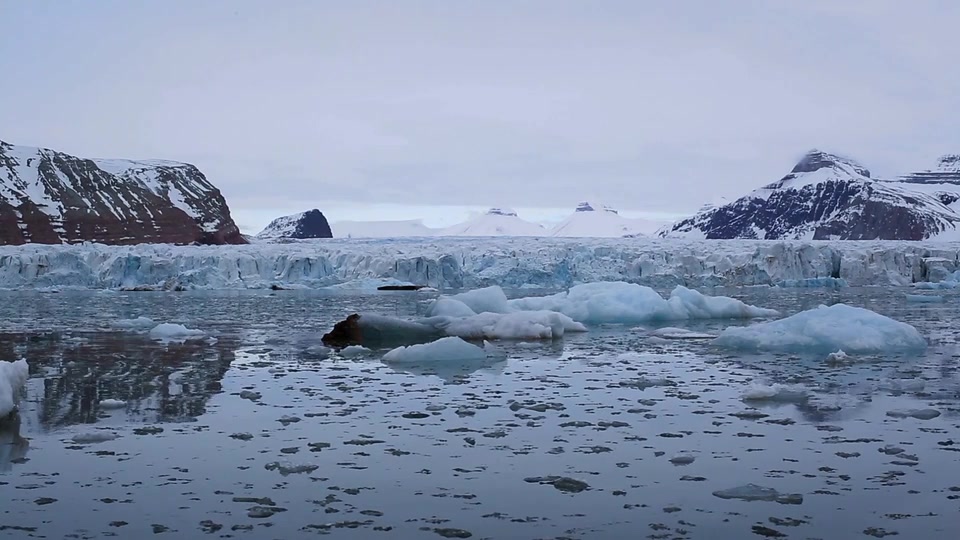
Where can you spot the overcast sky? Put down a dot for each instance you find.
(426, 109)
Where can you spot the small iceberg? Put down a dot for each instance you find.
(140, 323)
(448, 349)
(112, 404)
(171, 331)
(775, 393)
(13, 375)
(824, 330)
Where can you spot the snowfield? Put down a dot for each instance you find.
(455, 263)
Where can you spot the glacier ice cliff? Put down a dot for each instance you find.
(451, 263)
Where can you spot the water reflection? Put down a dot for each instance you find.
(13, 447)
(73, 374)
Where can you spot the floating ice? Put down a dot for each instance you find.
(826, 329)
(354, 350)
(173, 331)
(445, 349)
(488, 299)
(776, 393)
(94, 437)
(753, 492)
(109, 404)
(620, 302)
(135, 324)
(519, 325)
(919, 414)
(924, 298)
(13, 375)
(838, 357)
(679, 333)
(369, 285)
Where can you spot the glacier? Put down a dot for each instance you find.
(458, 263)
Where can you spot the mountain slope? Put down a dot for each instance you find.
(50, 197)
(309, 224)
(382, 229)
(591, 220)
(824, 197)
(496, 222)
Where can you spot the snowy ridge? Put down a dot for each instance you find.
(451, 263)
(592, 220)
(381, 229)
(827, 197)
(496, 222)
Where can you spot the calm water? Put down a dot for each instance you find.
(353, 448)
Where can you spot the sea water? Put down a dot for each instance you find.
(252, 430)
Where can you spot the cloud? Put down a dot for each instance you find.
(657, 106)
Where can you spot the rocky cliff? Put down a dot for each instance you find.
(49, 197)
(309, 224)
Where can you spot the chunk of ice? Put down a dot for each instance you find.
(826, 329)
(173, 331)
(442, 350)
(13, 375)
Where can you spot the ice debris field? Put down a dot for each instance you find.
(812, 408)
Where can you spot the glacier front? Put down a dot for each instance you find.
(454, 263)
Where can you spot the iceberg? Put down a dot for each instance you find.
(825, 330)
(13, 375)
(451, 349)
(620, 302)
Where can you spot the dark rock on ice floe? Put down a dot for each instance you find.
(829, 197)
(49, 197)
(562, 483)
(345, 333)
(302, 226)
(920, 414)
(400, 287)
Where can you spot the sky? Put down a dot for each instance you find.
(435, 109)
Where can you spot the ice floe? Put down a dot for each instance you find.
(448, 349)
(826, 329)
(173, 331)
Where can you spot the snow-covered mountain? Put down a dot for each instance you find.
(49, 197)
(826, 196)
(496, 222)
(382, 229)
(309, 224)
(591, 220)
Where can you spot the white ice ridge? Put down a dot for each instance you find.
(455, 263)
(13, 375)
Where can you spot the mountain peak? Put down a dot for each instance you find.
(587, 206)
(502, 212)
(815, 159)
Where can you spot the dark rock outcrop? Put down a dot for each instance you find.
(49, 197)
(309, 224)
(825, 197)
